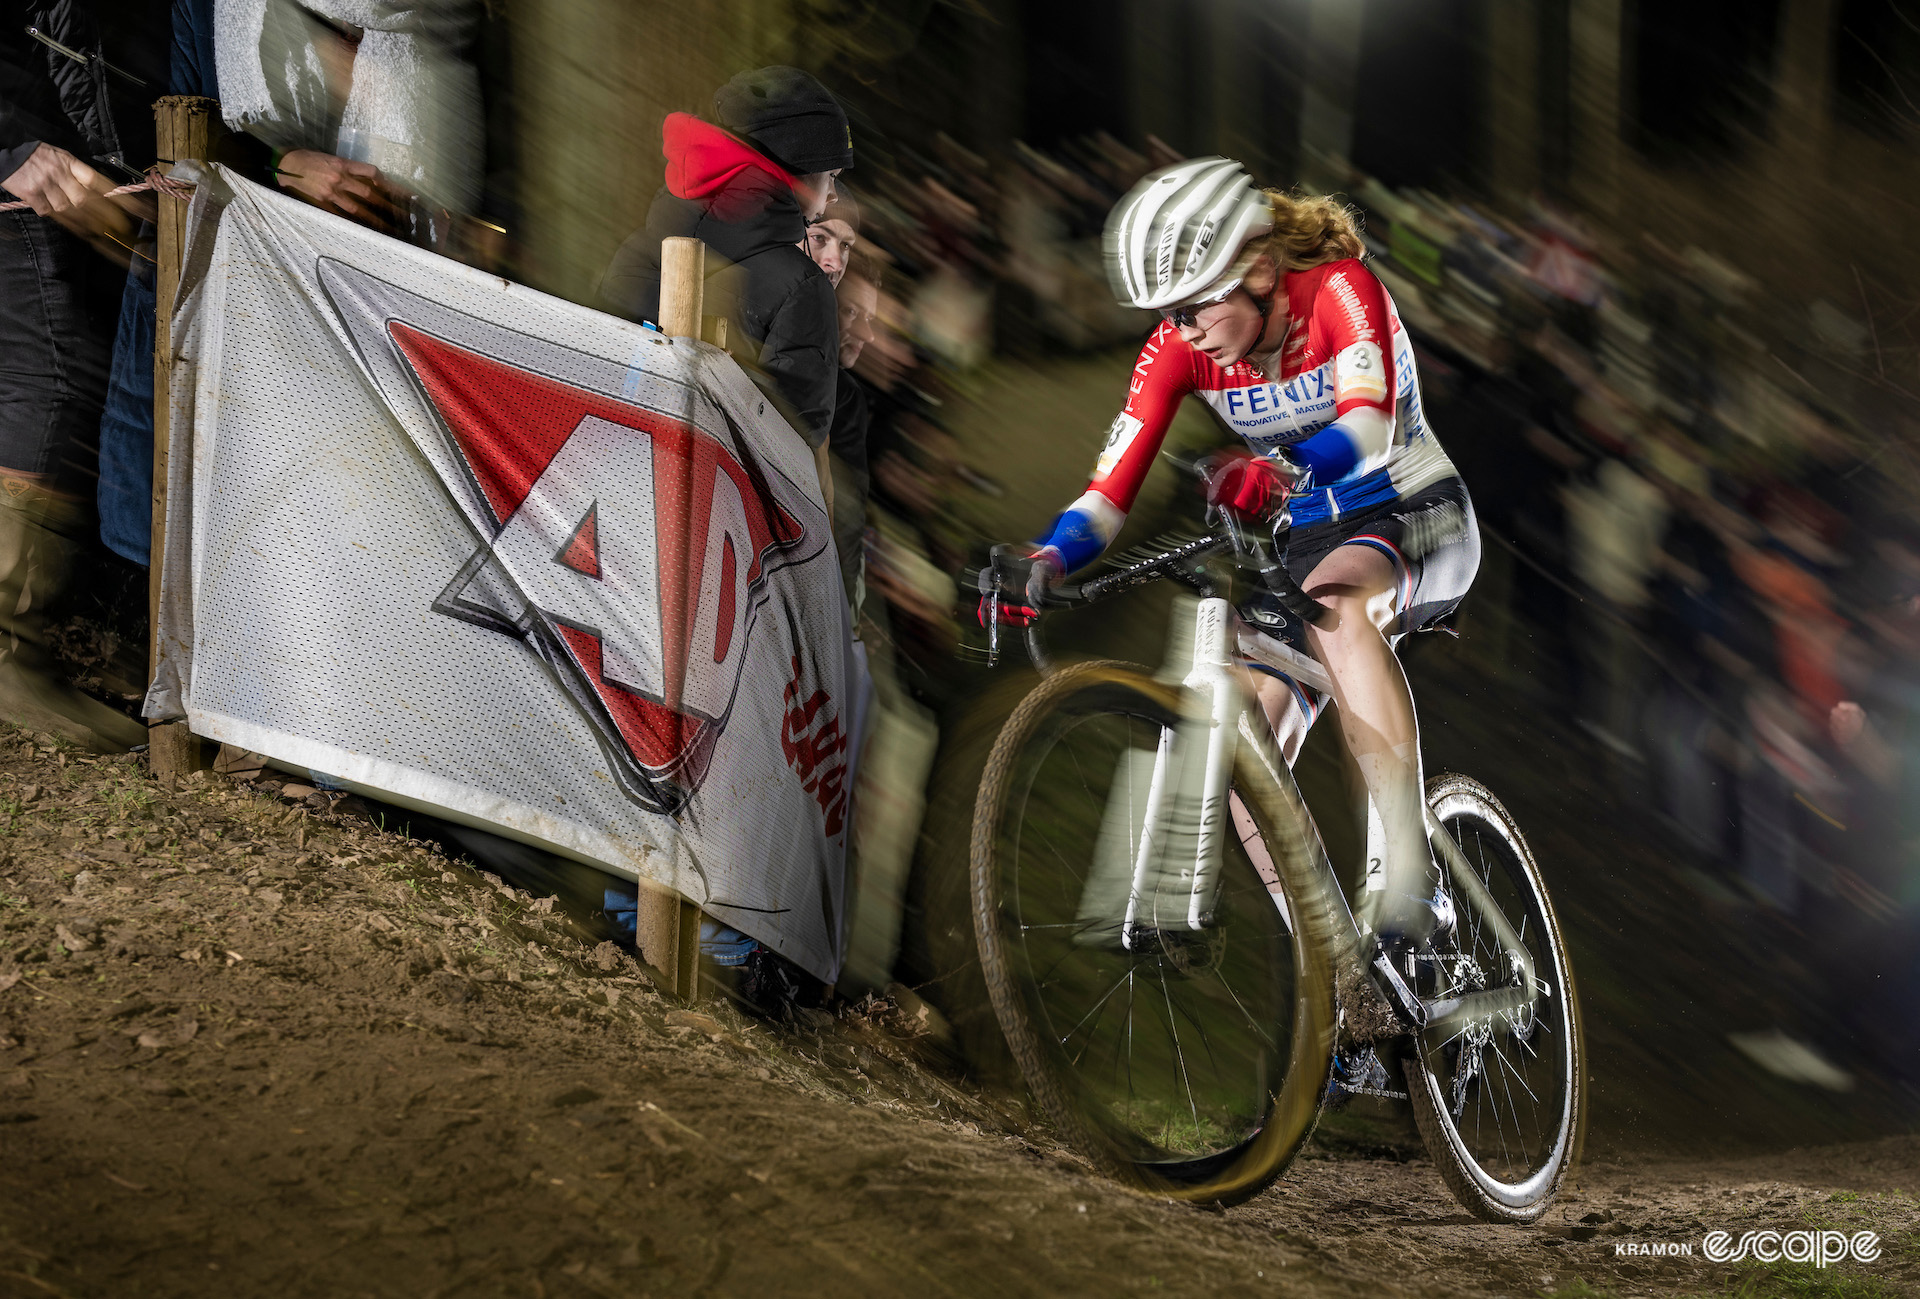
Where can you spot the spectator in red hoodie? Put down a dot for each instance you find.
(747, 188)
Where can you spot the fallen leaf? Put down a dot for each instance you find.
(180, 1033)
(8, 980)
(696, 1021)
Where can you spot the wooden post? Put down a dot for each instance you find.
(186, 127)
(668, 926)
(683, 286)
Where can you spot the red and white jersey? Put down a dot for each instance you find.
(1332, 367)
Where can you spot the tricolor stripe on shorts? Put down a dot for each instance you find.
(1309, 700)
(1392, 552)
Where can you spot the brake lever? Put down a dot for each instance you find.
(988, 580)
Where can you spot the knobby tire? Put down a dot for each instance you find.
(1223, 1178)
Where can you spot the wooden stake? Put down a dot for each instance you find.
(668, 925)
(185, 127)
(683, 286)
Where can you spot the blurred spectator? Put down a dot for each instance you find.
(55, 113)
(833, 235)
(857, 293)
(859, 296)
(370, 107)
(125, 493)
(367, 110)
(747, 189)
(1614, 524)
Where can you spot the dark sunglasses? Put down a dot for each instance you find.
(1187, 317)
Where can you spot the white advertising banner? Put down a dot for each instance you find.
(496, 556)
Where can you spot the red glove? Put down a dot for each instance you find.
(1251, 486)
(1011, 615)
(1040, 578)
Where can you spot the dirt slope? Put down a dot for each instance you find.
(255, 1048)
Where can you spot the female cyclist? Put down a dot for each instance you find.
(1272, 320)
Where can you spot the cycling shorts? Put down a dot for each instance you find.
(1430, 537)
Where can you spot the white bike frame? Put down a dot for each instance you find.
(1221, 642)
(1218, 713)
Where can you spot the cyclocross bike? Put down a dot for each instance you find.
(1168, 949)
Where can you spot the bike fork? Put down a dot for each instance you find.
(1172, 797)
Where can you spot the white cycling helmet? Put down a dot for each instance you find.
(1176, 238)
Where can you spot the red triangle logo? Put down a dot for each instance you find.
(507, 426)
(582, 551)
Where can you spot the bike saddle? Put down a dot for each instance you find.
(1266, 612)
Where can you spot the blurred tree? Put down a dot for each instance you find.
(1877, 67)
(1702, 75)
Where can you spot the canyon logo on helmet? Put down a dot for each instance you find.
(1176, 237)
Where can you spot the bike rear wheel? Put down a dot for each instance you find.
(1500, 1100)
(1191, 1065)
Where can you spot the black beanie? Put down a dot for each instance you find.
(790, 116)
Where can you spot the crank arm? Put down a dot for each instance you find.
(1443, 1014)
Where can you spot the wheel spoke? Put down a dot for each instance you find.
(1180, 1055)
(1252, 1023)
(1118, 1064)
(1096, 1006)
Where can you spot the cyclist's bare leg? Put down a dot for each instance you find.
(1377, 720)
(1287, 719)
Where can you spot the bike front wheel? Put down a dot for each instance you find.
(1187, 1061)
(1500, 1099)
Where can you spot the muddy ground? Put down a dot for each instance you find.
(251, 1046)
(256, 1046)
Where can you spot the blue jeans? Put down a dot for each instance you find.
(126, 425)
(53, 356)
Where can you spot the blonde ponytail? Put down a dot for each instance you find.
(1309, 231)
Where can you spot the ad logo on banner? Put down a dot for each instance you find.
(520, 564)
(625, 547)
